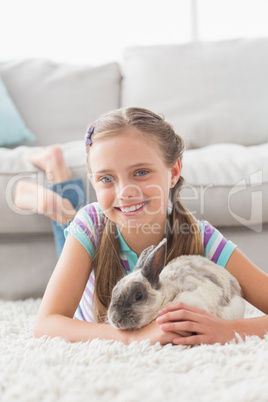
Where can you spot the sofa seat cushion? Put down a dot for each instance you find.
(227, 184)
(210, 92)
(15, 166)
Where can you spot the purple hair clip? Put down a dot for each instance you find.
(88, 140)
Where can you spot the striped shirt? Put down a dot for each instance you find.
(88, 226)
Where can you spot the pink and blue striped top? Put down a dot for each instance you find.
(88, 226)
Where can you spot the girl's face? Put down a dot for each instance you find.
(131, 180)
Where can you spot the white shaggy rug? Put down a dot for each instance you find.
(34, 370)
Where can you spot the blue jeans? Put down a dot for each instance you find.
(74, 191)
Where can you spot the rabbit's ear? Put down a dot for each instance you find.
(143, 257)
(154, 263)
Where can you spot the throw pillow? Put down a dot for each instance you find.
(12, 127)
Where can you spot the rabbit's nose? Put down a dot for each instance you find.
(119, 322)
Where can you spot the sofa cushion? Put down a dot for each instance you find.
(58, 101)
(12, 127)
(226, 184)
(210, 92)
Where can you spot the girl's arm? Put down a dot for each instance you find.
(253, 281)
(62, 297)
(205, 327)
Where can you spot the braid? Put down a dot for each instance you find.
(184, 237)
(107, 264)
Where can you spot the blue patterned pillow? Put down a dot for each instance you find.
(12, 127)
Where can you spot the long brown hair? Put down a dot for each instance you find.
(107, 265)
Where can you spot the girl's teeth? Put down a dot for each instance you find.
(132, 208)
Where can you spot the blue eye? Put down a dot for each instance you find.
(142, 172)
(107, 179)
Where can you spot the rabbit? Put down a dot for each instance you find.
(195, 280)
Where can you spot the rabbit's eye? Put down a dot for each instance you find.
(138, 296)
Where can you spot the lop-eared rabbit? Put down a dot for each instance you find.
(195, 280)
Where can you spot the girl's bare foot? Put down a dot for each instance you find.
(51, 160)
(34, 197)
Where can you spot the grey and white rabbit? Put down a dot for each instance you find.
(195, 280)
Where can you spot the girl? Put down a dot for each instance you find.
(134, 161)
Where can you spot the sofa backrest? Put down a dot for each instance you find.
(58, 101)
(210, 92)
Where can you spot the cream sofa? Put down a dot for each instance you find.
(215, 95)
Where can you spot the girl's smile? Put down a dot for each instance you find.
(131, 210)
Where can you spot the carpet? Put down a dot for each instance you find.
(34, 370)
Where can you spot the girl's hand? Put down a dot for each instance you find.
(154, 333)
(204, 328)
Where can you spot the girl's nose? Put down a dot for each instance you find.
(129, 191)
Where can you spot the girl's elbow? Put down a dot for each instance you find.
(39, 328)
(38, 333)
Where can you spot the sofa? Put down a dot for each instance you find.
(214, 94)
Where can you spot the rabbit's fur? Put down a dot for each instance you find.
(195, 280)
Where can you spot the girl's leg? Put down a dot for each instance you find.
(60, 200)
(51, 161)
(73, 191)
(32, 196)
